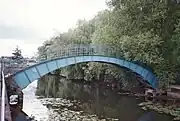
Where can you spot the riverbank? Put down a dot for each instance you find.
(173, 110)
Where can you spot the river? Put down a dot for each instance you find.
(91, 103)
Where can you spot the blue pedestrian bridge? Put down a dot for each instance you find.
(74, 54)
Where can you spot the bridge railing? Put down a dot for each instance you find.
(85, 49)
(2, 97)
(5, 109)
(79, 50)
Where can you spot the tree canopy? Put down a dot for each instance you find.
(146, 31)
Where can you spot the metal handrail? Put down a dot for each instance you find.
(3, 98)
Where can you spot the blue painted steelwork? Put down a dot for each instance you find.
(25, 77)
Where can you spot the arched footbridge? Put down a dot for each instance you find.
(74, 54)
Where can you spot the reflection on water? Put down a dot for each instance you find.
(104, 102)
(107, 103)
(153, 116)
(149, 116)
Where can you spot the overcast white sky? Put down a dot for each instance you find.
(27, 23)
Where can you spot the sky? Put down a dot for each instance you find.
(27, 23)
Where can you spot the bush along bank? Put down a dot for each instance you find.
(173, 110)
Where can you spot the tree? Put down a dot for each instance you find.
(17, 53)
(140, 31)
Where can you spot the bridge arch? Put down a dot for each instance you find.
(24, 77)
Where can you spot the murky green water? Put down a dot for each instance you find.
(107, 103)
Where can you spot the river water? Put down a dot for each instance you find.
(104, 103)
(32, 106)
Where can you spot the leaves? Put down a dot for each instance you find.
(146, 31)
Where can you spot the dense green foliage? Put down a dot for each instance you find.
(147, 31)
